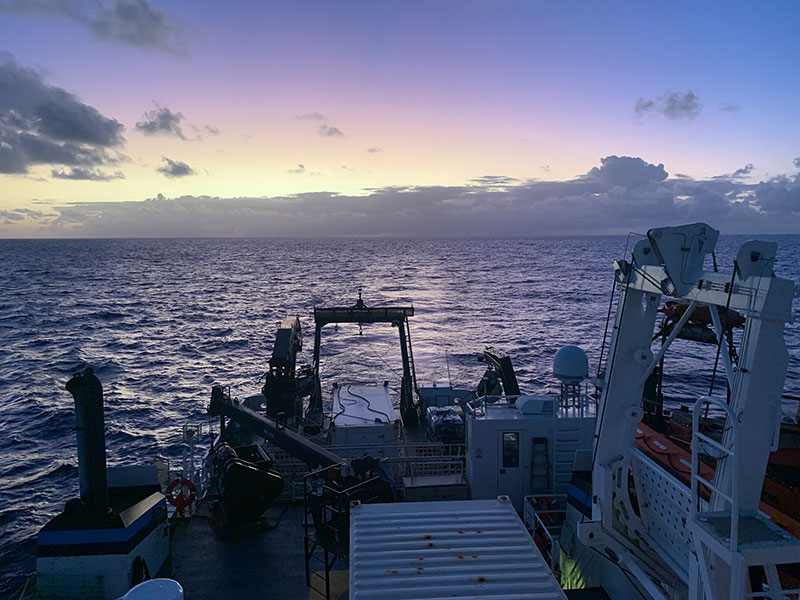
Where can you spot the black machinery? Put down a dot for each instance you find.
(244, 481)
(284, 388)
(499, 377)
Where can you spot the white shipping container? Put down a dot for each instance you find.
(454, 549)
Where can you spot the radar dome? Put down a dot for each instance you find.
(571, 365)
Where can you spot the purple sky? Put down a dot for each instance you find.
(374, 118)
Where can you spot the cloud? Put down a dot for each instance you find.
(779, 195)
(11, 215)
(729, 107)
(174, 168)
(494, 181)
(314, 116)
(620, 195)
(33, 214)
(742, 173)
(326, 130)
(374, 150)
(627, 171)
(643, 106)
(545, 168)
(79, 173)
(25, 217)
(133, 23)
(43, 124)
(673, 105)
(301, 170)
(161, 121)
(797, 162)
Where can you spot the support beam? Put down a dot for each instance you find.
(295, 444)
(665, 346)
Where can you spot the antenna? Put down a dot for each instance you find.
(447, 362)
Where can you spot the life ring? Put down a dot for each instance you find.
(181, 493)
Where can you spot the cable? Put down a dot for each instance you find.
(611, 302)
(369, 406)
(608, 320)
(352, 402)
(724, 323)
(341, 403)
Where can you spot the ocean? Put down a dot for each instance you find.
(162, 320)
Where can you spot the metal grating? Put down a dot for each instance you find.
(457, 549)
(665, 509)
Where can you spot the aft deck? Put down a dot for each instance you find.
(262, 562)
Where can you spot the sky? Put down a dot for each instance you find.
(140, 118)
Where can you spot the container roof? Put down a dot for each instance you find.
(455, 549)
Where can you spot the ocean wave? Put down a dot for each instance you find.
(163, 320)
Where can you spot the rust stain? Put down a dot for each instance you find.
(474, 556)
(479, 579)
(460, 532)
(427, 536)
(479, 531)
(460, 557)
(392, 571)
(420, 570)
(430, 544)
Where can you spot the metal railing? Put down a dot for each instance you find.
(701, 440)
(544, 516)
(404, 460)
(326, 520)
(569, 403)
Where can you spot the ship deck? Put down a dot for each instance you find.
(260, 562)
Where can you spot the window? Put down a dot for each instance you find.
(510, 449)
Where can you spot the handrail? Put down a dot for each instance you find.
(699, 439)
(558, 515)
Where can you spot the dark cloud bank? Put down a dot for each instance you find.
(42, 124)
(620, 195)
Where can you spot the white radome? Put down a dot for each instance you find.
(571, 365)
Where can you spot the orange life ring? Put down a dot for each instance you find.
(181, 493)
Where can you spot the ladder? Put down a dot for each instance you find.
(540, 466)
(736, 552)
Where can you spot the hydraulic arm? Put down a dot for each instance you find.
(310, 453)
